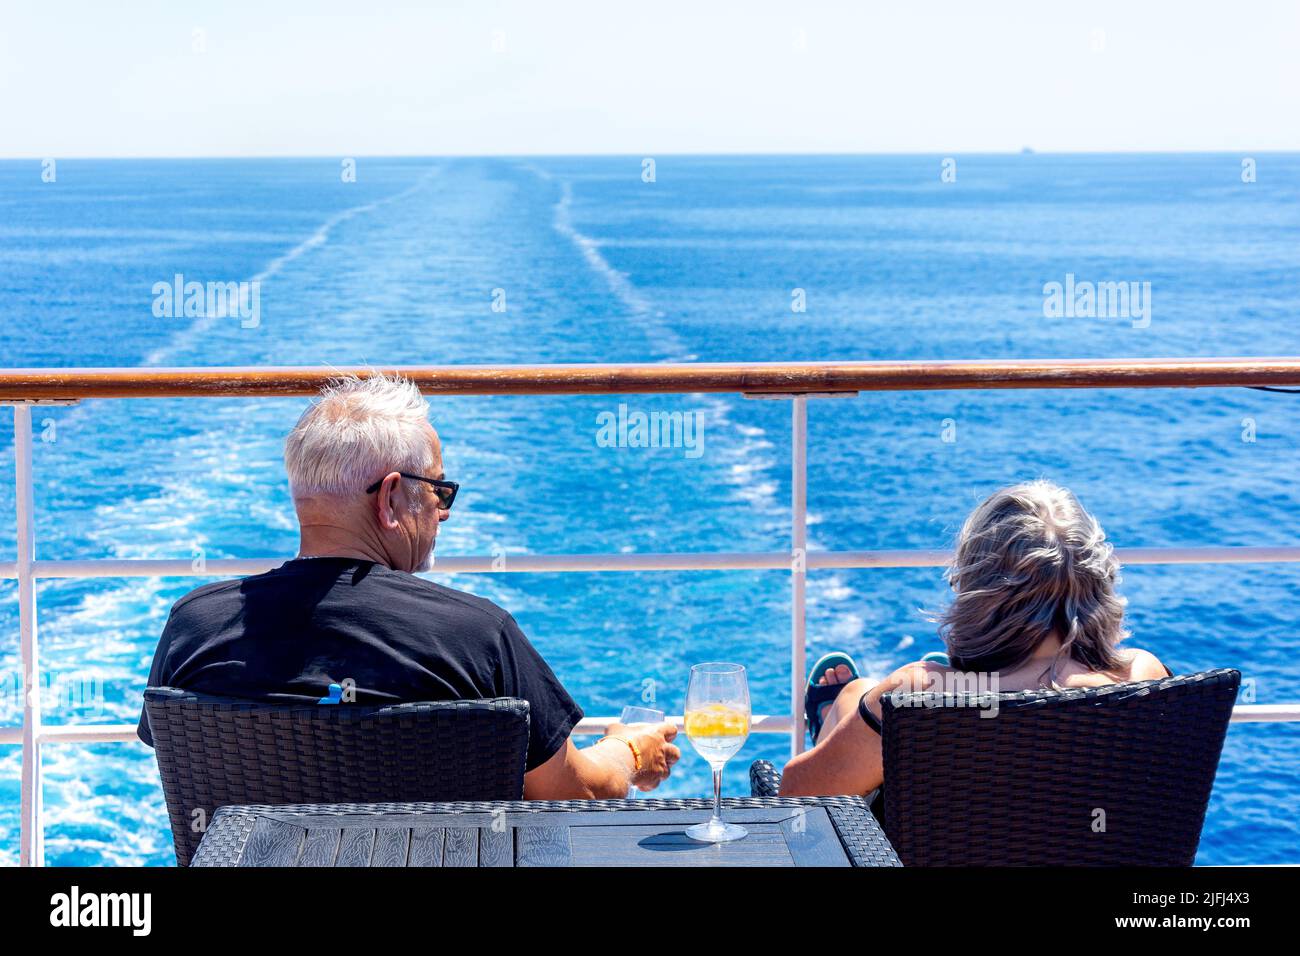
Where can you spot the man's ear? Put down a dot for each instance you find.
(386, 508)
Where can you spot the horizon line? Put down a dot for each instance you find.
(1023, 151)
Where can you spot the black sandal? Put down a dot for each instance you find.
(816, 696)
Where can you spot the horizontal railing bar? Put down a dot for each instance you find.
(33, 384)
(758, 724)
(579, 563)
(74, 733)
(1234, 554)
(473, 564)
(1265, 713)
(588, 726)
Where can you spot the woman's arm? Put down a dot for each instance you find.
(848, 758)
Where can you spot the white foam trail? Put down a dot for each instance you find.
(750, 472)
(318, 238)
(617, 281)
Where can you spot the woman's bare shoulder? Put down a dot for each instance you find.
(1141, 665)
(916, 676)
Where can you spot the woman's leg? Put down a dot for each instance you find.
(845, 705)
(845, 757)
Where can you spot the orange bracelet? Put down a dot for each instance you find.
(636, 751)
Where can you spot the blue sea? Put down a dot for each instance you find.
(586, 262)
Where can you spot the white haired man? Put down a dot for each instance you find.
(365, 469)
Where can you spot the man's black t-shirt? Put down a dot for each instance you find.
(288, 634)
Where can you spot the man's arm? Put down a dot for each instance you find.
(607, 769)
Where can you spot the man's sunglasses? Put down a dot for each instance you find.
(446, 490)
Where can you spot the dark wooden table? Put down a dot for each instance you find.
(803, 831)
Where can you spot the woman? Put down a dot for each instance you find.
(1035, 607)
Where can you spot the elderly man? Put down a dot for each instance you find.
(365, 470)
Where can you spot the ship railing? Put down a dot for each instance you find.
(797, 383)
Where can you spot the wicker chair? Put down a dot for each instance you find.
(1103, 776)
(215, 751)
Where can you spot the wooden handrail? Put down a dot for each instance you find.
(66, 384)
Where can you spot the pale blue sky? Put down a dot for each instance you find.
(420, 78)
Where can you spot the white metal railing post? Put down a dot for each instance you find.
(798, 566)
(32, 842)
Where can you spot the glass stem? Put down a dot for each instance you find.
(717, 797)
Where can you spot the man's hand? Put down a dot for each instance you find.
(606, 769)
(658, 753)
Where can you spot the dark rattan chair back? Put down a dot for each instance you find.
(1107, 776)
(215, 751)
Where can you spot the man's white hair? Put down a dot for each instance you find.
(357, 431)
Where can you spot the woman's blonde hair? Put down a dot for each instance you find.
(1030, 562)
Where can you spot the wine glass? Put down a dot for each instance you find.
(639, 715)
(717, 723)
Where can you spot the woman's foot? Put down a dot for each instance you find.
(833, 676)
(831, 672)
